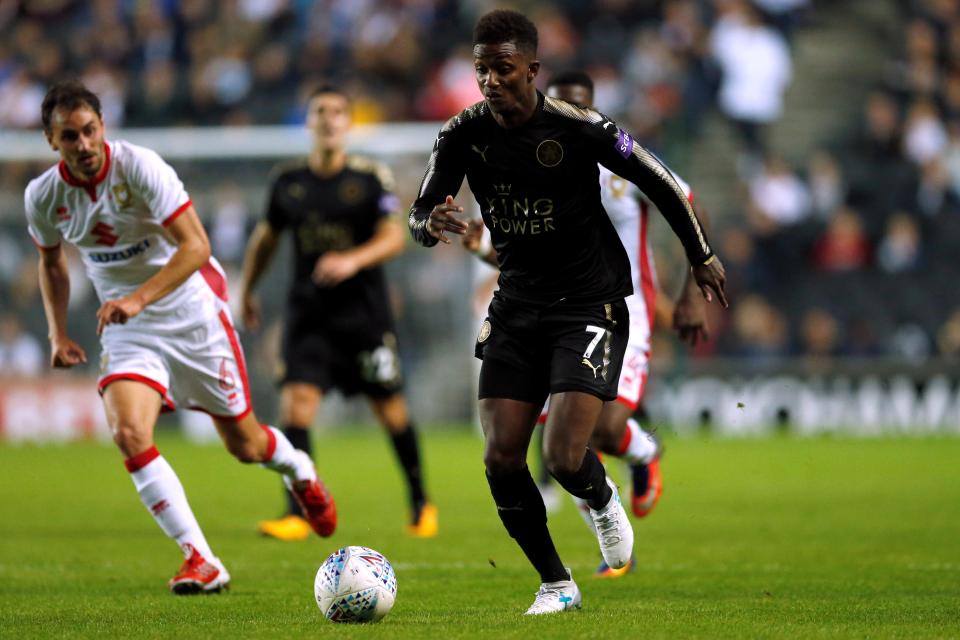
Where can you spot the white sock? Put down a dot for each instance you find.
(287, 459)
(163, 496)
(637, 447)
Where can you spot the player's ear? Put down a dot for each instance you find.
(50, 141)
(532, 70)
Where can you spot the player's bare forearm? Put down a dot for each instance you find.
(55, 290)
(387, 242)
(663, 310)
(256, 259)
(193, 251)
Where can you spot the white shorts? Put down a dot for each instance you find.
(200, 368)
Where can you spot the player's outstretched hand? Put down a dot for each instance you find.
(117, 312)
(711, 277)
(65, 353)
(690, 319)
(250, 311)
(442, 220)
(334, 267)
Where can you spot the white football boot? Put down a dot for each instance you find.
(614, 531)
(554, 597)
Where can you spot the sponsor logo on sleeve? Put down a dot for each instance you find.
(389, 203)
(624, 144)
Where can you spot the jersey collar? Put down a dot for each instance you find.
(90, 186)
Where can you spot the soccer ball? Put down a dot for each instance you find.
(355, 584)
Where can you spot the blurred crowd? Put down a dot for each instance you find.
(852, 251)
(847, 252)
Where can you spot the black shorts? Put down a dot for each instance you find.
(532, 351)
(362, 360)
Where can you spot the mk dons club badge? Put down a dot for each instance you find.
(549, 153)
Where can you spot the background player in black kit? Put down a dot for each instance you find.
(557, 326)
(339, 332)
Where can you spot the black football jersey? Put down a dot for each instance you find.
(539, 193)
(334, 213)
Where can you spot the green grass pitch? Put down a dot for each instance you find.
(825, 538)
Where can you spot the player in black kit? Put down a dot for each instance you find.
(558, 325)
(339, 333)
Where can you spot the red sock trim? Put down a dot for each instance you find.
(271, 442)
(625, 442)
(142, 459)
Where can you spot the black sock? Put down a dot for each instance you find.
(589, 482)
(408, 453)
(521, 510)
(299, 437)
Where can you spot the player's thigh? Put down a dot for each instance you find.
(308, 356)
(208, 368)
(132, 409)
(299, 402)
(587, 345)
(391, 411)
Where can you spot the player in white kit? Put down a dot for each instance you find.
(166, 333)
(617, 432)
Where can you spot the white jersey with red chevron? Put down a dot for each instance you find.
(118, 222)
(629, 210)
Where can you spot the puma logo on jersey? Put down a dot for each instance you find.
(104, 234)
(483, 154)
(589, 365)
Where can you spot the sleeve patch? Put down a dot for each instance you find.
(389, 203)
(624, 144)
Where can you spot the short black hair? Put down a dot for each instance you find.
(69, 95)
(572, 77)
(503, 25)
(327, 87)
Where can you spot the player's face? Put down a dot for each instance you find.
(78, 137)
(573, 93)
(505, 75)
(328, 117)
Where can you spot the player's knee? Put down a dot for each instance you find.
(498, 460)
(130, 438)
(245, 450)
(606, 438)
(562, 461)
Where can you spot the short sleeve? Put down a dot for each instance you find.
(40, 225)
(276, 214)
(158, 184)
(388, 204)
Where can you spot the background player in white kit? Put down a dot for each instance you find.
(166, 333)
(617, 432)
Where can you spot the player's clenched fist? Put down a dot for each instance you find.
(117, 312)
(442, 220)
(65, 353)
